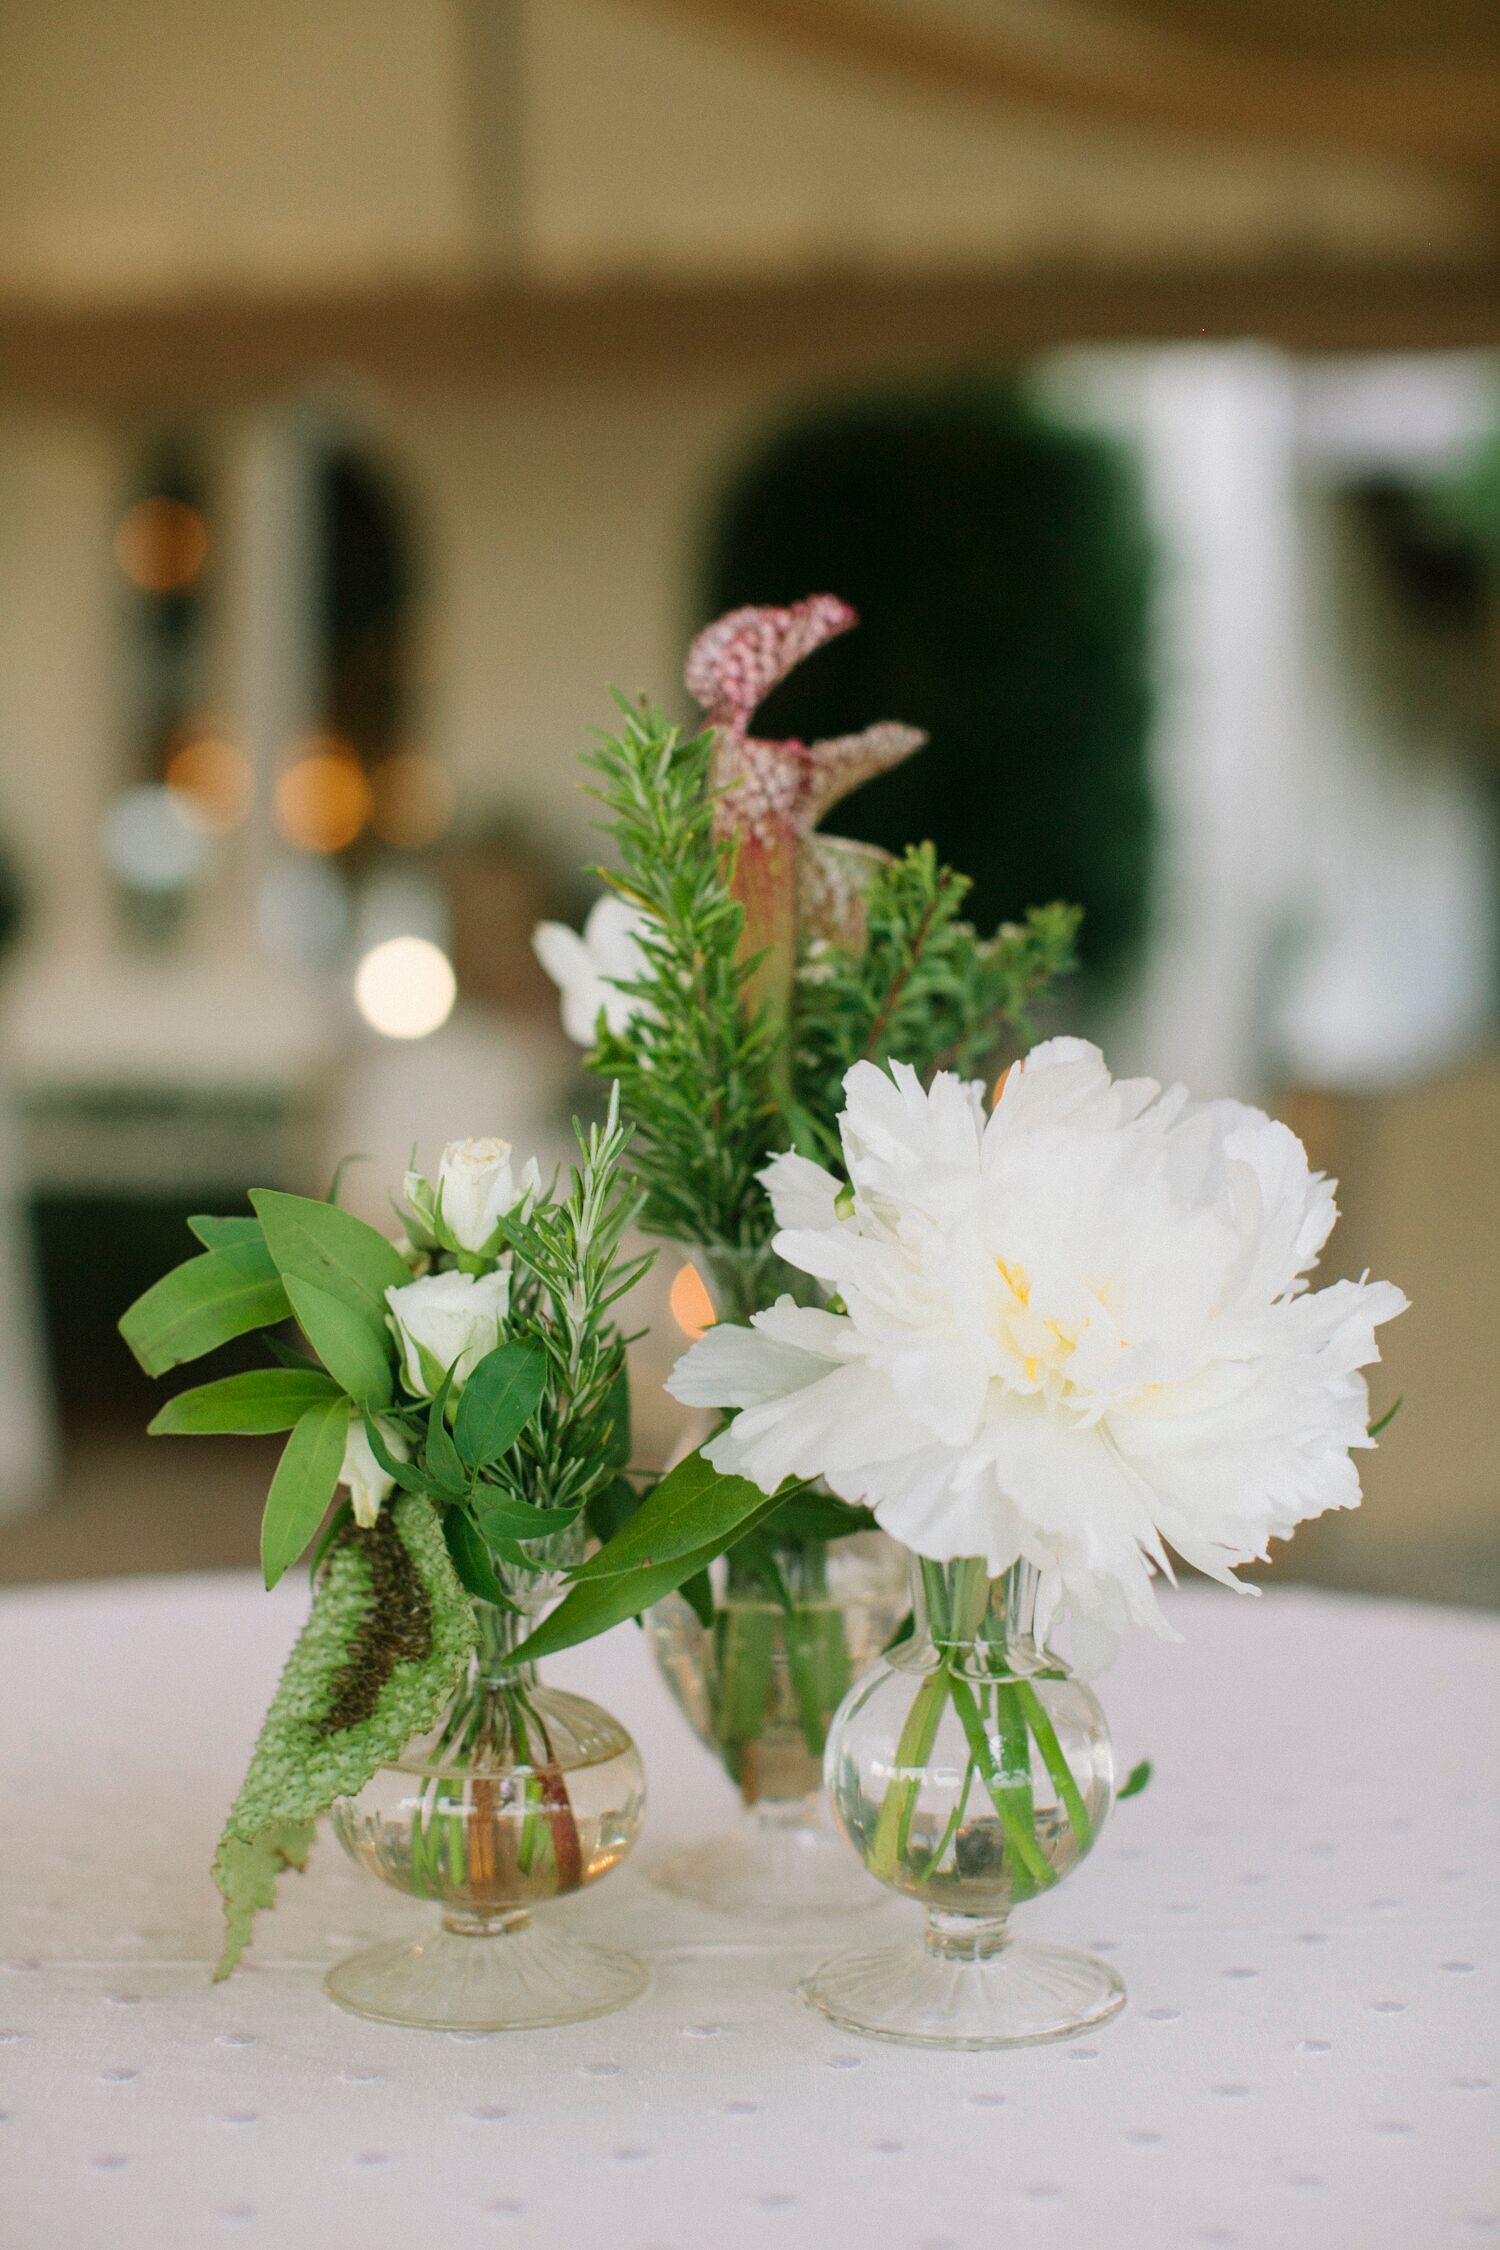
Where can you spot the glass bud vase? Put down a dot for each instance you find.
(759, 1687)
(521, 1794)
(795, 1622)
(971, 1772)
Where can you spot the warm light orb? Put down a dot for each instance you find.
(412, 800)
(692, 1306)
(405, 987)
(323, 800)
(213, 782)
(161, 545)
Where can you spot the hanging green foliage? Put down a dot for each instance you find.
(389, 1633)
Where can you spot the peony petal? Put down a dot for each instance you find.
(802, 1193)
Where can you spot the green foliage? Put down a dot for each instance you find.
(303, 1485)
(1135, 1781)
(570, 1272)
(693, 1068)
(927, 989)
(225, 1234)
(253, 1404)
(693, 1515)
(318, 1243)
(498, 1401)
(356, 1355)
(694, 1506)
(384, 1647)
(1002, 566)
(202, 1304)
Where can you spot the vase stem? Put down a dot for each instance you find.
(966, 1937)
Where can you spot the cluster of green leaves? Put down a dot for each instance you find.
(539, 1428)
(691, 1517)
(927, 989)
(568, 1453)
(694, 1066)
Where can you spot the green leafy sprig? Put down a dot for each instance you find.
(927, 989)
(694, 1066)
(536, 1434)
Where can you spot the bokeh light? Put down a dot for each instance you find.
(213, 782)
(692, 1306)
(161, 545)
(149, 843)
(405, 987)
(412, 797)
(322, 800)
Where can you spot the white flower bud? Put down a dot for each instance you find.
(447, 1320)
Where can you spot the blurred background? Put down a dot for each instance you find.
(380, 382)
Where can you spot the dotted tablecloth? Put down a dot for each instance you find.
(1303, 1905)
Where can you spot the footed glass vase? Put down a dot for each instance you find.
(795, 1620)
(971, 1772)
(520, 1795)
(760, 1685)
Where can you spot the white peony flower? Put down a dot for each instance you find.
(446, 1320)
(583, 967)
(1077, 1332)
(476, 1189)
(367, 1483)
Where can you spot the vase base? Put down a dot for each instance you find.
(516, 1978)
(1018, 1996)
(770, 1865)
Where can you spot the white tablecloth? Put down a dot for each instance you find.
(1303, 1905)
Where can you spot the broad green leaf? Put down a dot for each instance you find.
(499, 1518)
(1134, 1782)
(693, 1507)
(498, 1401)
(611, 1508)
(355, 1354)
(317, 1242)
(471, 1559)
(202, 1304)
(698, 1593)
(289, 1355)
(268, 1398)
(818, 1517)
(303, 1485)
(591, 1606)
(440, 1455)
(226, 1234)
(409, 1478)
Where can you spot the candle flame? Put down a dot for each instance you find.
(692, 1306)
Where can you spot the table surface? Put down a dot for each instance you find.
(1303, 1906)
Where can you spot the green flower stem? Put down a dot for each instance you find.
(893, 1828)
(1056, 1764)
(955, 1822)
(818, 1662)
(1011, 1799)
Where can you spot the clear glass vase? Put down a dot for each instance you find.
(521, 1794)
(760, 1687)
(971, 1772)
(795, 1622)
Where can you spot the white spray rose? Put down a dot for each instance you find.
(476, 1189)
(583, 967)
(361, 1474)
(447, 1320)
